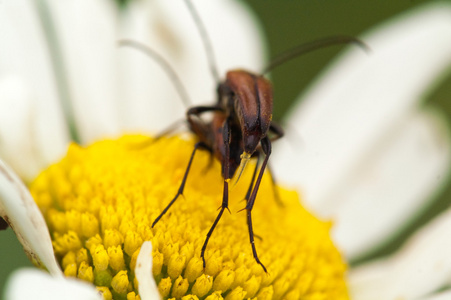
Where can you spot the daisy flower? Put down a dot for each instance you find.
(372, 158)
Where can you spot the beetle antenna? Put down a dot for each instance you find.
(311, 46)
(163, 64)
(205, 40)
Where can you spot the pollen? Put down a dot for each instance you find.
(100, 202)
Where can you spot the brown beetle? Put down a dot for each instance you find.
(240, 123)
(242, 119)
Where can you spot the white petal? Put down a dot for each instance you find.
(18, 208)
(422, 266)
(26, 76)
(143, 271)
(350, 111)
(395, 182)
(149, 101)
(446, 295)
(152, 102)
(17, 139)
(86, 35)
(34, 284)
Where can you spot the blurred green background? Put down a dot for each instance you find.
(288, 23)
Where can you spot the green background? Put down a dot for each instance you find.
(288, 23)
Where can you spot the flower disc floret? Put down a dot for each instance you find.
(100, 202)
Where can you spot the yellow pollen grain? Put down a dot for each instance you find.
(100, 258)
(194, 269)
(252, 286)
(164, 287)
(266, 293)
(203, 285)
(89, 225)
(190, 297)
(100, 203)
(224, 280)
(112, 238)
(85, 272)
(133, 296)
(70, 270)
(69, 258)
(116, 258)
(237, 294)
(157, 263)
(215, 296)
(106, 293)
(82, 256)
(180, 287)
(120, 282)
(176, 265)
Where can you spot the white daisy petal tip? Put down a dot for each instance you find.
(34, 284)
(421, 267)
(143, 271)
(19, 210)
(394, 183)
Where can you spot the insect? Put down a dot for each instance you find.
(241, 126)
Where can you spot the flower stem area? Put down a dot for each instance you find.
(100, 202)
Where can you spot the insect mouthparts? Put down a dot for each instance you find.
(245, 157)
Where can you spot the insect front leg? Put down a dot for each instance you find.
(225, 195)
(249, 190)
(182, 185)
(254, 175)
(266, 148)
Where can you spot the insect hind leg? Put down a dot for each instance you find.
(182, 185)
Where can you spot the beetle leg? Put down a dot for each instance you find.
(277, 130)
(225, 195)
(196, 123)
(182, 185)
(266, 148)
(254, 175)
(249, 190)
(197, 110)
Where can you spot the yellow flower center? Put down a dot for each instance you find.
(100, 202)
